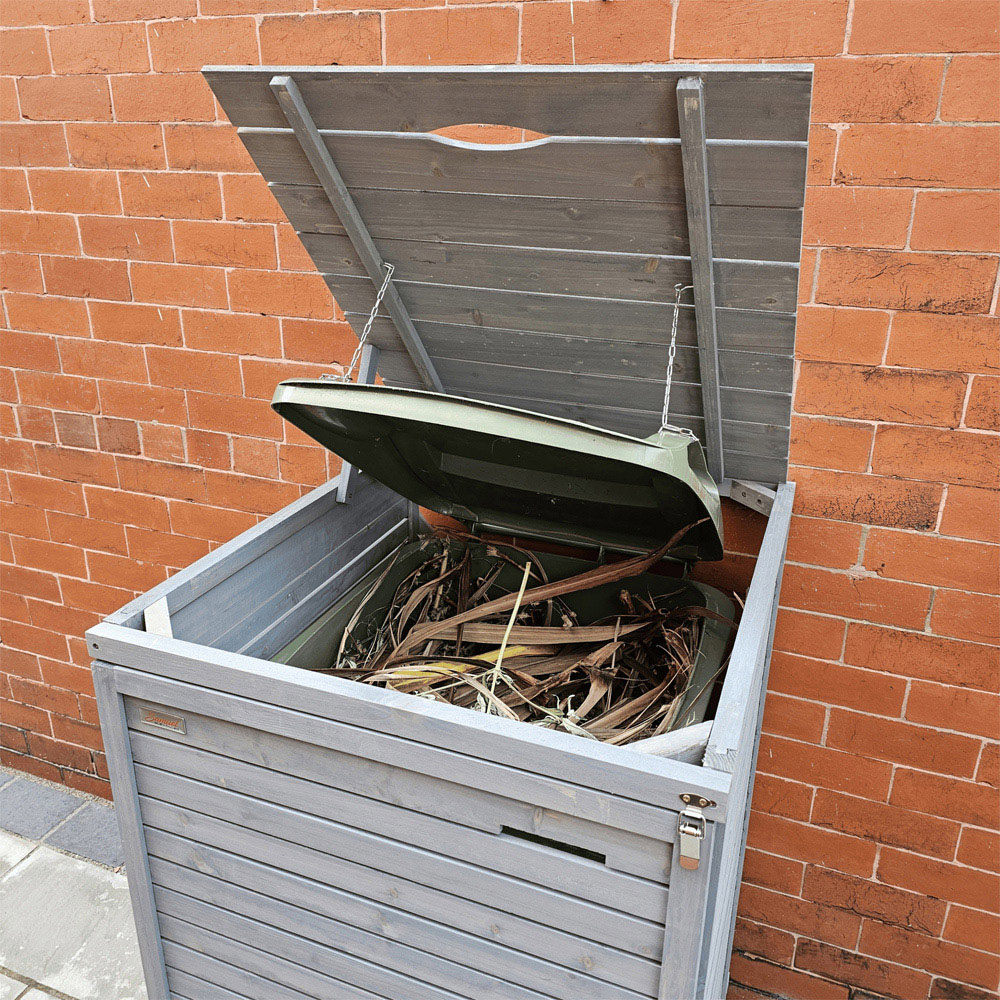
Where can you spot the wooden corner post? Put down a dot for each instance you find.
(694, 156)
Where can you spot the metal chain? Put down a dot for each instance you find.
(665, 425)
(362, 340)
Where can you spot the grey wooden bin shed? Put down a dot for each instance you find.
(293, 835)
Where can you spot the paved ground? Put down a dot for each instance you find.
(65, 920)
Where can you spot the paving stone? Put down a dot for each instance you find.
(12, 989)
(32, 809)
(6, 777)
(92, 833)
(12, 850)
(67, 924)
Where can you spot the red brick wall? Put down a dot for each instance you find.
(153, 296)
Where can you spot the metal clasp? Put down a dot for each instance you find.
(691, 829)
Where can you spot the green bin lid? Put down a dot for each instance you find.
(514, 471)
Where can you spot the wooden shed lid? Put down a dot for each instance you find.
(541, 274)
(515, 471)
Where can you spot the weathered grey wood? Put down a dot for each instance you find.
(624, 851)
(297, 114)
(199, 988)
(300, 874)
(694, 150)
(746, 101)
(682, 953)
(367, 369)
(647, 170)
(769, 286)
(114, 729)
(687, 744)
(741, 232)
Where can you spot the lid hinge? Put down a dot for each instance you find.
(691, 829)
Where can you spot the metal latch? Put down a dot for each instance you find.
(691, 829)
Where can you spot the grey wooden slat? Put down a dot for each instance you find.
(613, 927)
(297, 114)
(747, 233)
(281, 867)
(114, 729)
(746, 102)
(376, 833)
(682, 744)
(691, 113)
(582, 801)
(263, 962)
(473, 964)
(739, 284)
(187, 986)
(458, 803)
(633, 170)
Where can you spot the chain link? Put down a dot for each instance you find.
(363, 339)
(665, 425)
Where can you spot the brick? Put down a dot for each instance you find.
(200, 370)
(871, 899)
(93, 596)
(55, 618)
(912, 281)
(824, 767)
(221, 7)
(190, 44)
(865, 598)
(945, 343)
(161, 479)
(131, 322)
(799, 916)
(790, 982)
(822, 154)
(327, 39)
(25, 12)
(885, 824)
(127, 508)
(49, 557)
(14, 189)
(142, 10)
(59, 392)
(175, 97)
(232, 333)
(217, 524)
(979, 849)
(884, 978)
(983, 406)
(971, 513)
(260, 376)
(39, 768)
(120, 437)
(9, 110)
(76, 430)
(41, 314)
(20, 272)
(897, 944)
(248, 199)
(32, 233)
(967, 458)
(759, 29)
(164, 548)
(206, 147)
(143, 402)
(938, 561)
(902, 743)
(73, 731)
(116, 146)
(180, 285)
(19, 455)
(312, 340)
(634, 31)
(86, 278)
(854, 336)
(174, 195)
(802, 632)
(960, 709)
(943, 795)
(27, 717)
(971, 86)
(292, 255)
(888, 89)
(918, 155)
(75, 465)
(256, 496)
(956, 220)
(163, 442)
(25, 52)
(271, 293)
(857, 217)
(58, 752)
(255, 458)
(129, 239)
(917, 654)
(65, 98)
(23, 520)
(227, 244)
(31, 583)
(924, 26)
(233, 415)
(99, 48)
(36, 640)
(772, 871)
(95, 358)
(207, 448)
(39, 492)
(781, 798)
(834, 684)
(33, 145)
(447, 37)
(974, 929)
(547, 33)
(30, 350)
(302, 465)
(966, 616)
(767, 942)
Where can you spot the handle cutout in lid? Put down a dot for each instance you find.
(558, 845)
